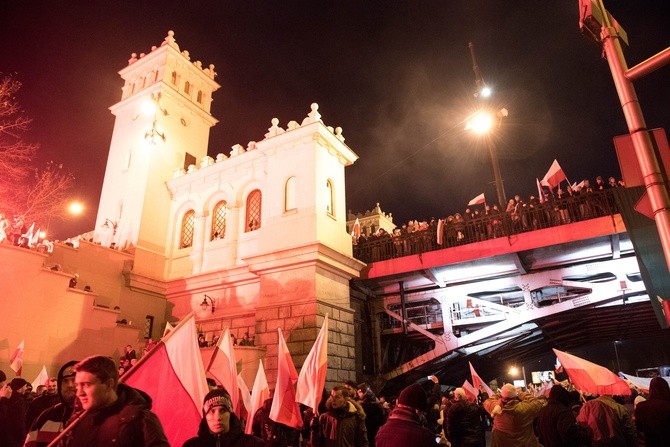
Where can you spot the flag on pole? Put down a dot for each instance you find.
(245, 400)
(591, 377)
(477, 381)
(477, 200)
(36, 238)
(259, 394)
(578, 186)
(285, 409)
(540, 193)
(223, 367)
(470, 391)
(16, 360)
(29, 234)
(440, 231)
(312, 377)
(173, 376)
(554, 176)
(168, 328)
(356, 230)
(42, 378)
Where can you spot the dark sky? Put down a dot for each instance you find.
(395, 75)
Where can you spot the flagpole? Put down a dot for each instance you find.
(67, 429)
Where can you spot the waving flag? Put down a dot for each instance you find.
(16, 360)
(223, 367)
(590, 377)
(477, 200)
(285, 409)
(356, 231)
(312, 377)
(470, 392)
(440, 231)
(29, 234)
(477, 381)
(173, 376)
(168, 328)
(245, 399)
(259, 394)
(554, 176)
(41, 379)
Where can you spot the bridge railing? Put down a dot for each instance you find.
(490, 226)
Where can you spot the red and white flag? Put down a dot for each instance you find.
(285, 409)
(259, 394)
(440, 231)
(245, 399)
(42, 378)
(477, 200)
(312, 377)
(223, 367)
(356, 230)
(540, 193)
(470, 391)
(16, 360)
(173, 376)
(554, 176)
(168, 328)
(477, 381)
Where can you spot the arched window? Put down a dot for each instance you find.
(187, 228)
(156, 76)
(219, 220)
(187, 88)
(173, 78)
(199, 96)
(289, 194)
(330, 197)
(253, 217)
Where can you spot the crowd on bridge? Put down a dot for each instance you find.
(481, 221)
(89, 403)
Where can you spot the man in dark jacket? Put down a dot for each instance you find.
(49, 423)
(556, 425)
(406, 425)
(16, 413)
(273, 433)
(652, 417)
(342, 425)
(113, 414)
(374, 412)
(465, 423)
(5, 394)
(220, 426)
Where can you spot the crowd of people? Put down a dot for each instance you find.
(88, 402)
(483, 221)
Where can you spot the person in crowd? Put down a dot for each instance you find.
(652, 416)
(343, 423)
(41, 403)
(5, 394)
(273, 433)
(465, 423)
(111, 413)
(351, 387)
(406, 425)
(513, 416)
(374, 413)
(40, 390)
(128, 356)
(49, 422)
(609, 421)
(556, 424)
(220, 426)
(16, 412)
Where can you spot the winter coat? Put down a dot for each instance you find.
(234, 437)
(513, 425)
(374, 417)
(341, 427)
(405, 428)
(557, 427)
(652, 417)
(128, 422)
(464, 424)
(610, 422)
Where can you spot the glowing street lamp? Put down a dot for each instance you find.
(75, 208)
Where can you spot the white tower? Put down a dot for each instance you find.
(162, 122)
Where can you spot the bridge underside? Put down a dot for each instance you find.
(501, 303)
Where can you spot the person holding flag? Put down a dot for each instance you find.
(343, 423)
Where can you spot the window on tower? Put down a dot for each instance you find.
(187, 88)
(199, 96)
(173, 78)
(330, 197)
(289, 194)
(253, 215)
(219, 220)
(187, 229)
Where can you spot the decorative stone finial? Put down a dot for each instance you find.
(338, 134)
(210, 71)
(186, 54)
(133, 58)
(314, 115)
(274, 129)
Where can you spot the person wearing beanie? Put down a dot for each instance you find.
(652, 416)
(17, 405)
(343, 423)
(513, 414)
(220, 426)
(556, 425)
(46, 416)
(406, 425)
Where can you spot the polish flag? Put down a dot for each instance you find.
(41, 379)
(29, 234)
(470, 392)
(477, 381)
(16, 360)
(554, 176)
(168, 328)
(245, 399)
(440, 231)
(285, 409)
(356, 231)
(312, 377)
(259, 394)
(477, 200)
(173, 376)
(36, 238)
(540, 193)
(223, 367)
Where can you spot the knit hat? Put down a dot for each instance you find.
(17, 383)
(217, 398)
(3, 377)
(413, 396)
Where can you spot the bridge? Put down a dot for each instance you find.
(500, 290)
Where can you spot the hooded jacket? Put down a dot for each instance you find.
(49, 422)
(341, 427)
(234, 437)
(405, 427)
(128, 422)
(513, 423)
(652, 417)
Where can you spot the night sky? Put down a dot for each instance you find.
(395, 75)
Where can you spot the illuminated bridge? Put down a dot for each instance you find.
(565, 277)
